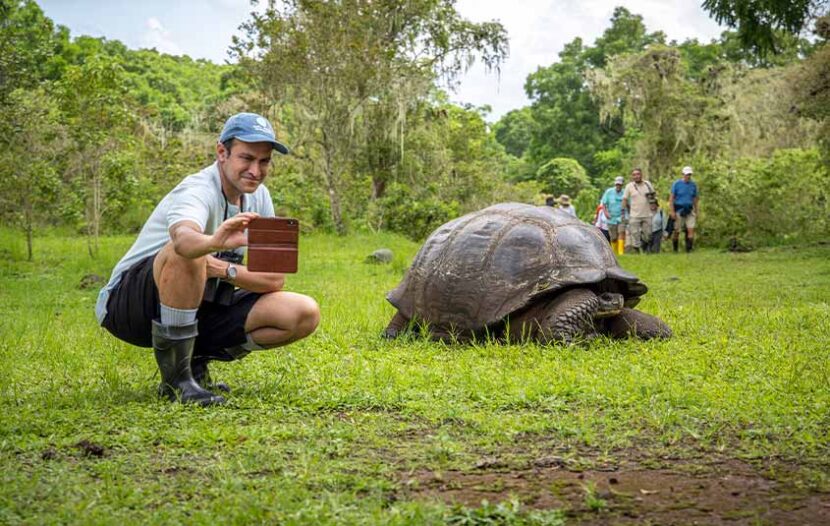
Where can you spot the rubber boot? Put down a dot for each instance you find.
(201, 374)
(675, 244)
(173, 348)
(689, 243)
(201, 359)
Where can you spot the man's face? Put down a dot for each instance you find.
(246, 165)
(636, 176)
(687, 177)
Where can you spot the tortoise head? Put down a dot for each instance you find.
(610, 304)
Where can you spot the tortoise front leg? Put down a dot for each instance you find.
(562, 319)
(396, 326)
(631, 322)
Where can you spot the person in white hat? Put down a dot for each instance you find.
(565, 205)
(612, 208)
(683, 207)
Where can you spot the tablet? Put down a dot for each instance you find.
(273, 244)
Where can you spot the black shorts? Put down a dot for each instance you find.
(134, 303)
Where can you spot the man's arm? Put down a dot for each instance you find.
(626, 194)
(189, 241)
(695, 204)
(253, 281)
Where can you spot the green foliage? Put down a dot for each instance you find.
(515, 130)
(29, 165)
(27, 41)
(586, 203)
(612, 162)
(562, 176)
(811, 88)
(566, 117)
(592, 500)
(760, 24)
(107, 131)
(509, 513)
(670, 115)
(98, 117)
(649, 92)
(782, 199)
(174, 92)
(626, 34)
(416, 212)
(567, 120)
(303, 53)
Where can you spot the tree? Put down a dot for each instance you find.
(453, 165)
(331, 60)
(515, 130)
(563, 176)
(98, 116)
(567, 118)
(811, 86)
(28, 169)
(761, 24)
(26, 43)
(658, 105)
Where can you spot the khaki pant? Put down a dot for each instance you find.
(682, 223)
(615, 230)
(639, 230)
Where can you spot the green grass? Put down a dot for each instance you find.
(327, 430)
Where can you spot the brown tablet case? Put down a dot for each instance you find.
(273, 244)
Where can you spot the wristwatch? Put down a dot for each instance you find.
(231, 272)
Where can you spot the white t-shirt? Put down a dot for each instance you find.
(601, 221)
(197, 198)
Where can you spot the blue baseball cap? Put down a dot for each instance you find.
(250, 127)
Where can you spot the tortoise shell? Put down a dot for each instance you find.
(475, 270)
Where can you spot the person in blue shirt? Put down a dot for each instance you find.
(612, 208)
(683, 207)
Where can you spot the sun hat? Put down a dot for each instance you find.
(250, 127)
(564, 200)
(687, 170)
(619, 180)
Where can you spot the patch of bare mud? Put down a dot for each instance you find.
(730, 492)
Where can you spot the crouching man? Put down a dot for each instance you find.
(180, 289)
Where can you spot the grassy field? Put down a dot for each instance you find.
(727, 421)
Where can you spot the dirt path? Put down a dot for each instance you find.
(729, 492)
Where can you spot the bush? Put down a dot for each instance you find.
(415, 213)
(563, 175)
(782, 199)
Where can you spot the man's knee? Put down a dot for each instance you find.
(171, 265)
(295, 314)
(308, 317)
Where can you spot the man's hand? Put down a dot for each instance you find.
(231, 233)
(673, 215)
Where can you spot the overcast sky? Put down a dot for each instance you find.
(538, 30)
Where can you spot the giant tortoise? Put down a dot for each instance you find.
(521, 272)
